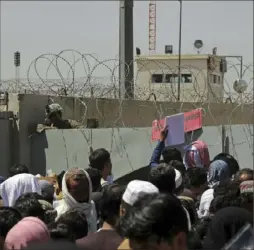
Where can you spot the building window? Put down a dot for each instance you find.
(218, 79)
(171, 78)
(187, 78)
(215, 79)
(157, 78)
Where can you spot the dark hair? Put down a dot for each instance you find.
(18, 169)
(61, 231)
(201, 227)
(170, 153)
(222, 201)
(48, 215)
(160, 215)
(230, 160)
(30, 207)
(9, 217)
(232, 188)
(246, 201)
(245, 171)
(246, 197)
(76, 221)
(98, 158)
(178, 165)
(95, 177)
(195, 177)
(110, 203)
(31, 195)
(163, 177)
(194, 242)
(189, 205)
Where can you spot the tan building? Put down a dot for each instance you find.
(201, 77)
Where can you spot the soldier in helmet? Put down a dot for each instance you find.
(54, 113)
(54, 119)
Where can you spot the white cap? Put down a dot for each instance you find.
(136, 188)
(178, 178)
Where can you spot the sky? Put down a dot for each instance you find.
(41, 27)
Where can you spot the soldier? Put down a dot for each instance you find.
(54, 119)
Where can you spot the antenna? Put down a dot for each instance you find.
(198, 45)
(152, 26)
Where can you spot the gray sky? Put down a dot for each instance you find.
(35, 28)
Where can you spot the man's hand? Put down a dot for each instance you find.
(164, 134)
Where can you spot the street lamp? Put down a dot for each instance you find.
(239, 85)
(240, 59)
(179, 53)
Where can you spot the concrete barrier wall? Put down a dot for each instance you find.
(130, 148)
(6, 135)
(111, 113)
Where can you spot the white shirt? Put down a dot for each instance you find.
(205, 202)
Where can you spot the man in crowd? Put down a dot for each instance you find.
(156, 221)
(106, 238)
(18, 169)
(245, 174)
(168, 153)
(100, 159)
(134, 190)
(196, 182)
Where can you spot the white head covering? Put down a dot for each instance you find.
(69, 202)
(15, 186)
(178, 178)
(136, 188)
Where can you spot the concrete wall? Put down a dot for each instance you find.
(111, 113)
(130, 148)
(6, 135)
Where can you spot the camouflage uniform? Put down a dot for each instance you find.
(58, 124)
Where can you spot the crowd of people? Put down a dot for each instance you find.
(186, 202)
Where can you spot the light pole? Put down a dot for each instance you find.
(239, 58)
(179, 53)
(239, 85)
(126, 69)
(17, 65)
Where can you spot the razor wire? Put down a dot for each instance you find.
(107, 86)
(199, 92)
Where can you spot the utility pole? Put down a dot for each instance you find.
(126, 69)
(179, 53)
(240, 59)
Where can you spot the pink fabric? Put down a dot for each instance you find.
(29, 230)
(247, 187)
(203, 153)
